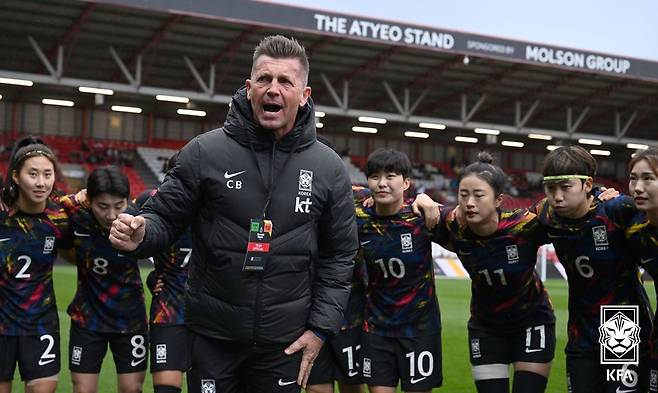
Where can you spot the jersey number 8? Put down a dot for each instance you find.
(100, 266)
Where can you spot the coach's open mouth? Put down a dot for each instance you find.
(272, 107)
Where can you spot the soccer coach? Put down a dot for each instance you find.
(273, 227)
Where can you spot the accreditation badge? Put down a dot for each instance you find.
(258, 247)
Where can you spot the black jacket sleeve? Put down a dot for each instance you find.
(170, 210)
(338, 244)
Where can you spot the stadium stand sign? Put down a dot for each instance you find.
(354, 27)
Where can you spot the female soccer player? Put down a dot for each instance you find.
(108, 306)
(401, 338)
(339, 359)
(169, 346)
(512, 319)
(30, 232)
(589, 239)
(643, 234)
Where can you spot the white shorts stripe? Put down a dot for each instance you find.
(490, 371)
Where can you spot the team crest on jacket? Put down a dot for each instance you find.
(305, 180)
(305, 190)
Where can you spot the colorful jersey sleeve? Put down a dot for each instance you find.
(109, 296)
(171, 270)
(401, 297)
(642, 237)
(28, 248)
(507, 293)
(600, 267)
(643, 240)
(353, 316)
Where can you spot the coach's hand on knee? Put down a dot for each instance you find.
(310, 344)
(127, 232)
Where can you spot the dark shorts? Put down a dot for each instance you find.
(37, 356)
(587, 374)
(415, 361)
(339, 359)
(232, 367)
(87, 350)
(169, 348)
(534, 344)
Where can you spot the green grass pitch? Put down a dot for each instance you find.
(454, 298)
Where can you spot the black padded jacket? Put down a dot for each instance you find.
(220, 182)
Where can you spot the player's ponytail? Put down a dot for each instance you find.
(485, 169)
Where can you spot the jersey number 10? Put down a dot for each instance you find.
(394, 268)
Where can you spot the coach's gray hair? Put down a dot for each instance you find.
(280, 47)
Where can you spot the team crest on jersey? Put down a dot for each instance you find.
(305, 180)
(475, 348)
(653, 380)
(367, 368)
(512, 254)
(161, 353)
(49, 244)
(76, 355)
(208, 386)
(600, 235)
(407, 242)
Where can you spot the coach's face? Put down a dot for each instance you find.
(276, 90)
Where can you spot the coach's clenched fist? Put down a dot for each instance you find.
(127, 232)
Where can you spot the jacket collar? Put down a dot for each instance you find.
(240, 126)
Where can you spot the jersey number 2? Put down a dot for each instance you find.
(21, 273)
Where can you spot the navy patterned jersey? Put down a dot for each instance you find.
(353, 317)
(28, 248)
(507, 293)
(401, 296)
(110, 296)
(600, 267)
(171, 270)
(642, 238)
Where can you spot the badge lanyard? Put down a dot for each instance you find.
(260, 229)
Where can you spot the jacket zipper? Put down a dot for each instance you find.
(259, 282)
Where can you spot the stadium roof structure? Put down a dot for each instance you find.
(360, 66)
